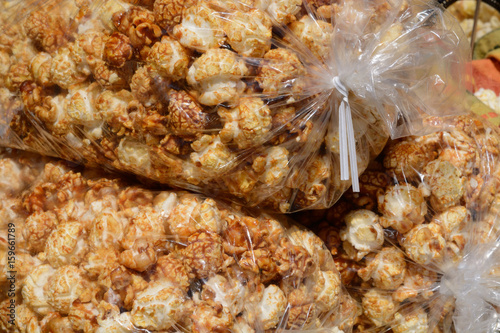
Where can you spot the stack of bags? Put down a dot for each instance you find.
(264, 107)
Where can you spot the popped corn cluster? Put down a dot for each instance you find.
(226, 96)
(423, 205)
(95, 255)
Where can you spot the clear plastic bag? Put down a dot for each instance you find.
(280, 103)
(95, 255)
(418, 246)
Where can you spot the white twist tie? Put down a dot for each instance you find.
(346, 139)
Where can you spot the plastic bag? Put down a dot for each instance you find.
(418, 247)
(280, 103)
(94, 255)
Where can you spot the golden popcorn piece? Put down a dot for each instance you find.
(403, 206)
(138, 24)
(217, 76)
(211, 153)
(314, 34)
(247, 124)
(204, 254)
(282, 11)
(407, 158)
(40, 68)
(201, 28)
(117, 50)
(66, 244)
(281, 71)
(363, 233)
(65, 69)
(158, 307)
(66, 285)
(171, 267)
(208, 316)
(249, 33)
(34, 286)
(46, 30)
(169, 58)
(186, 117)
(387, 269)
(446, 184)
(414, 321)
(378, 307)
(168, 13)
(271, 307)
(83, 316)
(424, 243)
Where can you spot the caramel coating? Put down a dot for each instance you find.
(169, 58)
(403, 206)
(280, 71)
(247, 124)
(200, 28)
(407, 158)
(65, 286)
(46, 30)
(168, 13)
(186, 117)
(117, 50)
(249, 33)
(138, 24)
(204, 254)
(315, 34)
(217, 75)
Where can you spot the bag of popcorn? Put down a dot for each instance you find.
(278, 103)
(418, 246)
(95, 255)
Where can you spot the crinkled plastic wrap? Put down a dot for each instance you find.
(418, 246)
(278, 102)
(95, 255)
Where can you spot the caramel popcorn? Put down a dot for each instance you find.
(416, 321)
(403, 206)
(316, 35)
(158, 307)
(103, 257)
(363, 232)
(186, 117)
(436, 204)
(247, 124)
(65, 70)
(66, 285)
(249, 33)
(272, 166)
(66, 244)
(408, 158)
(169, 58)
(283, 11)
(204, 254)
(40, 68)
(281, 70)
(207, 317)
(378, 307)
(227, 96)
(216, 74)
(200, 28)
(211, 154)
(117, 50)
(138, 24)
(387, 269)
(46, 30)
(168, 13)
(271, 307)
(446, 184)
